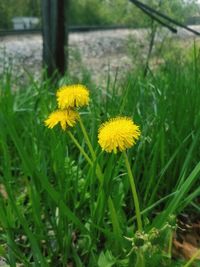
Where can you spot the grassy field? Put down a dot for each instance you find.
(57, 208)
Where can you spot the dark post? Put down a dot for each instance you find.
(54, 36)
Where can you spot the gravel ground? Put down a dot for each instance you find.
(95, 51)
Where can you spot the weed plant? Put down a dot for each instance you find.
(53, 210)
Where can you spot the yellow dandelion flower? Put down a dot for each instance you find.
(118, 133)
(70, 96)
(66, 118)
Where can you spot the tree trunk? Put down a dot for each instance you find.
(54, 36)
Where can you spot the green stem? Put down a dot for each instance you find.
(80, 148)
(194, 257)
(134, 192)
(87, 139)
(140, 262)
(170, 244)
(98, 170)
(93, 154)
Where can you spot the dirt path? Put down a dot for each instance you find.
(97, 51)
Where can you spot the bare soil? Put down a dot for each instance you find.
(95, 52)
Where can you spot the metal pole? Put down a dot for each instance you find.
(54, 36)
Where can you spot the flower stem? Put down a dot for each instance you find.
(134, 192)
(140, 261)
(193, 258)
(92, 152)
(87, 139)
(80, 148)
(170, 244)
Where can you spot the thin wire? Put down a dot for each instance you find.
(158, 13)
(157, 19)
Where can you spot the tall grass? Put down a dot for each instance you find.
(53, 211)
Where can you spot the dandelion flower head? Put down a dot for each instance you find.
(71, 96)
(66, 118)
(118, 133)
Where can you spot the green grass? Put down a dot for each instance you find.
(56, 211)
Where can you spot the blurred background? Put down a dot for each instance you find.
(105, 36)
(98, 12)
